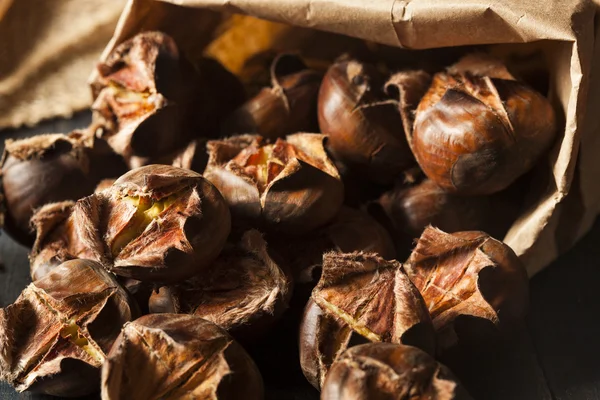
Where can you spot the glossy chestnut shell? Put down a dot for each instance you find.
(364, 127)
(477, 129)
(288, 106)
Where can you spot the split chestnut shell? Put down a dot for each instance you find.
(55, 337)
(470, 283)
(174, 356)
(390, 371)
(290, 185)
(477, 129)
(360, 297)
(155, 223)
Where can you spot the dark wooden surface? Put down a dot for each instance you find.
(555, 356)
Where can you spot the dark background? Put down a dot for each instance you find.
(555, 356)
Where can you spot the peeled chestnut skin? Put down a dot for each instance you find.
(476, 134)
(150, 100)
(244, 291)
(365, 131)
(50, 168)
(386, 371)
(473, 285)
(157, 223)
(56, 335)
(288, 106)
(288, 186)
(360, 298)
(173, 356)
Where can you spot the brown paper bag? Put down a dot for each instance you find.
(566, 196)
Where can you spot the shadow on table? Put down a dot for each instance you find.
(564, 320)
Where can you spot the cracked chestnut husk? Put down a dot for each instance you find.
(351, 230)
(49, 168)
(150, 100)
(156, 223)
(56, 335)
(390, 371)
(288, 106)
(289, 186)
(360, 298)
(244, 291)
(477, 129)
(175, 356)
(363, 124)
(472, 284)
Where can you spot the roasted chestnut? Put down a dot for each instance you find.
(290, 186)
(470, 283)
(390, 371)
(407, 210)
(56, 335)
(243, 291)
(477, 129)
(360, 298)
(351, 230)
(174, 356)
(288, 106)
(156, 223)
(364, 127)
(50, 168)
(150, 100)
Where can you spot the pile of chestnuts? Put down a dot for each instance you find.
(195, 214)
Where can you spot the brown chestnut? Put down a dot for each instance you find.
(407, 210)
(150, 100)
(477, 129)
(174, 356)
(155, 223)
(364, 127)
(360, 297)
(290, 186)
(50, 168)
(351, 230)
(390, 371)
(56, 335)
(467, 278)
(288, 106)
(243, 291)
